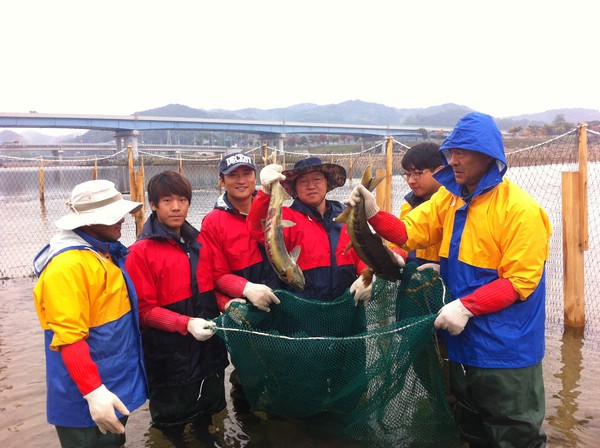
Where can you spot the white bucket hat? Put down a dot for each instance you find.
(96, 202)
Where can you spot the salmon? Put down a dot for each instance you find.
(369, 246)
(283, 263)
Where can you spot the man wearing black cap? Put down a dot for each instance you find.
(241, 269)
(328, 268)
(240, 265)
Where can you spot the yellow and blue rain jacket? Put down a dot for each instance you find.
(498, 231)
(83, 292)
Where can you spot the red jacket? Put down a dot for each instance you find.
(328, 268)
(236, 257)
(163, 270)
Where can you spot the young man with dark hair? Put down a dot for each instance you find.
(185, 365)
(420, 163)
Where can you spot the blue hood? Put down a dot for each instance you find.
(474, 132)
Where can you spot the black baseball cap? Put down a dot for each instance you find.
(233, 161)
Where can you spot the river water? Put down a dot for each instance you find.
(571, 365)
(571, 369)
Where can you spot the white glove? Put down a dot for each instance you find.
(261, 296)
(453, 317)
(362, 293)
(360, 193)
(234, 300)
(434, 266)
(200, 328)
(102, 404)
(269, 174)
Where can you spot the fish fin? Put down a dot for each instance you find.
(367, 175)
(295, 253)
(370, 182)
(343, 217)
(348, 247)
(375, 181)
(287, 223)
(367, 275)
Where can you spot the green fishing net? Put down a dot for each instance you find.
(374, 368)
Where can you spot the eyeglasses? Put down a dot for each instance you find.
(416, 175)
(305, 181)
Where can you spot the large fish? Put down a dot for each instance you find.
(283, 263)
(368, 245)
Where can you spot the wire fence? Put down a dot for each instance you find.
(33, 192)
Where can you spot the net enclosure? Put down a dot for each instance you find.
(374, 369)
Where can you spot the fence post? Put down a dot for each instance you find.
(95, 170)
(136, 191)
(265, 154)
(583, 162)
(380, 190)
(388, 175)
(575, 236)
(41, 177)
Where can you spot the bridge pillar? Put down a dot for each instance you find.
(126, 138)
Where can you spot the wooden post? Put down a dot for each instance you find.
(583, 162)
(41, 177)
(388, 174)
(136, 191)
(573, 260)
(350, 163)
(265, 154)
(95, 170)
(380, 190)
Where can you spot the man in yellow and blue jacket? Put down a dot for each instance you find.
(87, 307)
(494, 244)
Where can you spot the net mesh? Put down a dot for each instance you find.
(374, 369)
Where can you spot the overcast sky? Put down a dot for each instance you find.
(118, 57)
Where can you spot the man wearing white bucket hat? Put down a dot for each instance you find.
(87, 308)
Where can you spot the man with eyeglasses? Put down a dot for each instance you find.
(328, 268)
(420, 163)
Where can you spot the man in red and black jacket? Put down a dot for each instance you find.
(185, 365)
(329, 269)
(240, 267)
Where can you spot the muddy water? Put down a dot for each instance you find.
(571, 369)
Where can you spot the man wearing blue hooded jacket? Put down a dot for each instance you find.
(494, 245)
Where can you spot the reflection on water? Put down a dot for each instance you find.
(571, 369)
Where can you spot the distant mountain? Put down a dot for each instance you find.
(360, 112)
(348, 112)
(27, 137)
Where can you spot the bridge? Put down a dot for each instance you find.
(128, 127)
(99, 148)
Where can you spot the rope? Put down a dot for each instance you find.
(373, 334)
(542, 144)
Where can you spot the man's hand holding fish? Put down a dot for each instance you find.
(361, 193)
(270, 174)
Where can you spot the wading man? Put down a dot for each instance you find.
(185, 364)
(87, 307)
(494, 245)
